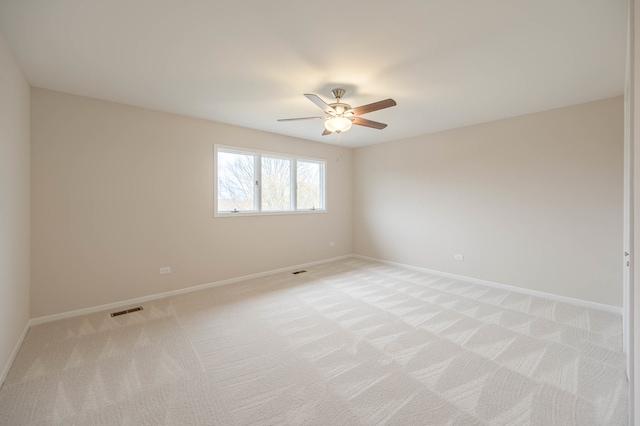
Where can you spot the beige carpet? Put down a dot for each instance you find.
(347, 343)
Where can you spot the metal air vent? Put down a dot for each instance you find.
(128, 311)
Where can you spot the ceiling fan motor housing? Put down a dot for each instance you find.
(340, 108)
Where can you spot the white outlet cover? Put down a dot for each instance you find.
(165, 270)
(458, 257)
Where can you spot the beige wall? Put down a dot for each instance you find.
(119, 192)
(533, 201)
(14, 204)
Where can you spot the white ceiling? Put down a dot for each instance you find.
(248, 62)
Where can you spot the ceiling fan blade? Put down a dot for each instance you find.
(368, 123)
(301, 118)
(322, 104)
(326, 132)
(373, 107)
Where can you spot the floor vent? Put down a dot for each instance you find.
(299, 272)
(128, 311)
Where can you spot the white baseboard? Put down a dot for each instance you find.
(138, 300)
(536, 293)
(16, 348)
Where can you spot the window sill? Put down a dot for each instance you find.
(274, 213)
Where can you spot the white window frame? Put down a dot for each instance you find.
(258, 174)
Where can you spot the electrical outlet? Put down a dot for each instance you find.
(332, 243)
(165, 270)
(458, 257)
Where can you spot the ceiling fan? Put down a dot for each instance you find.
(341, 116)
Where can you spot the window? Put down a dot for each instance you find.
(236, 181)
(276, 184)
(310, 175)
(253, 182)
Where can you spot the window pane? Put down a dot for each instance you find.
(236, 182)
(276, 184)
(309, 185)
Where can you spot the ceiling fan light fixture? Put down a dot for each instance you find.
(337, 124)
